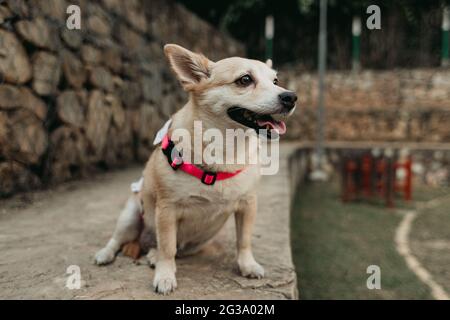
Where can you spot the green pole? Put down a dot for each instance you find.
(269, 37)
(356, 44)
(445, 37)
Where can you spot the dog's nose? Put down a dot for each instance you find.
(288, 99)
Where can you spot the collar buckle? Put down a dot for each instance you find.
(209, 178)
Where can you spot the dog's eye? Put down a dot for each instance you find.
(244, 80)
(275, 81)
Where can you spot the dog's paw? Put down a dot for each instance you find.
(164, 282)
(152, 256)
(252, 270)
(104, 256)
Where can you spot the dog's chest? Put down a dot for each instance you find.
(204, 210)
(222, 196)
(201, 219)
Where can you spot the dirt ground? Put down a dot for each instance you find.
(45, 232)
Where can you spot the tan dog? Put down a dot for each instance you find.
(181, 214)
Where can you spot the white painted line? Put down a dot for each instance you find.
(402, 245)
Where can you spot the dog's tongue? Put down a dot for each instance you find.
(279, 126)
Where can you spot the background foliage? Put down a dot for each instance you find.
(410, 34)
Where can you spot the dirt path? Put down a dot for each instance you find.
(66, 226)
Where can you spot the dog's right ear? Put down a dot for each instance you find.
(191, 68)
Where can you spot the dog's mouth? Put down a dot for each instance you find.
(257, 121)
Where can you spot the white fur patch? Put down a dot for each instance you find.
(162, 132)
(136, 187)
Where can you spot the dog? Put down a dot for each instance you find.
(183, 211)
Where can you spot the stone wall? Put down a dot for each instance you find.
(299, 164)
(400, 105)
(74, 101)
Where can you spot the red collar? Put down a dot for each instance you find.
(176, 162)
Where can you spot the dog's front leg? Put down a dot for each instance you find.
(164, 281)
(245, 218)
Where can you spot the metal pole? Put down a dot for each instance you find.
(322, 56)
(445, 36)
(269, 36)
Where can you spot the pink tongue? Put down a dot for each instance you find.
(280, 126)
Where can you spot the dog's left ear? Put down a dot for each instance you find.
(269, 63)
(191, 68)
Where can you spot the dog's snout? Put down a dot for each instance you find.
(288, 99)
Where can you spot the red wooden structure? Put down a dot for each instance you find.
(367, 176)
(404, 186)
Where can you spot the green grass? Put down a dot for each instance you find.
(430, 241)
(334, 243)
(425, 193)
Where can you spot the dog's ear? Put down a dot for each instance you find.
(189, 67)
(269, 63)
